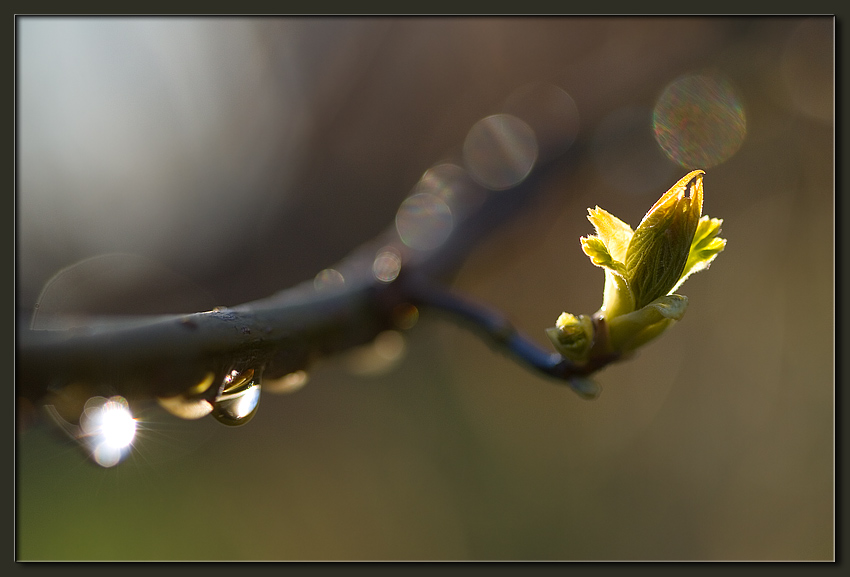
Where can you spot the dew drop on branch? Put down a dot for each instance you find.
(193, 403)
(238, 398)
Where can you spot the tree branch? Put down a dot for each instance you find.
(141, 357)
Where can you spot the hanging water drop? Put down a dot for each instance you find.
(192, 404)
(238, 398)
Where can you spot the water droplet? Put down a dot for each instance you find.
(500, 151)
(286, 384)
(192, 404)
(699, 121)
(387, 264)
(328, 279)
(424, 221)
(238, 398)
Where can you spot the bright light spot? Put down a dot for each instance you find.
(424, 221)
(117, 426)
(699, 121)
(500, 151)
(245, 403)
(108, 429)
(228, 378)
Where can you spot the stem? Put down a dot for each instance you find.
(498, 330)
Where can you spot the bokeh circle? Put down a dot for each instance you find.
(699, 121)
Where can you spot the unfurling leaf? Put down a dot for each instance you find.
(642, 269)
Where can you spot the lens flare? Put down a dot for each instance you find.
(699, 121)
(500, 151)
(387, 265)
(108, 428)
(328, 279)
(454, 186)
(424, 221)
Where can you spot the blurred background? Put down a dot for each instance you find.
(238, 156)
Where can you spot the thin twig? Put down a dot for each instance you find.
(496, 328)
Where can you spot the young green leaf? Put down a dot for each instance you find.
(642, 269)
(659, 249)
(704, 248)
(613, 232)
